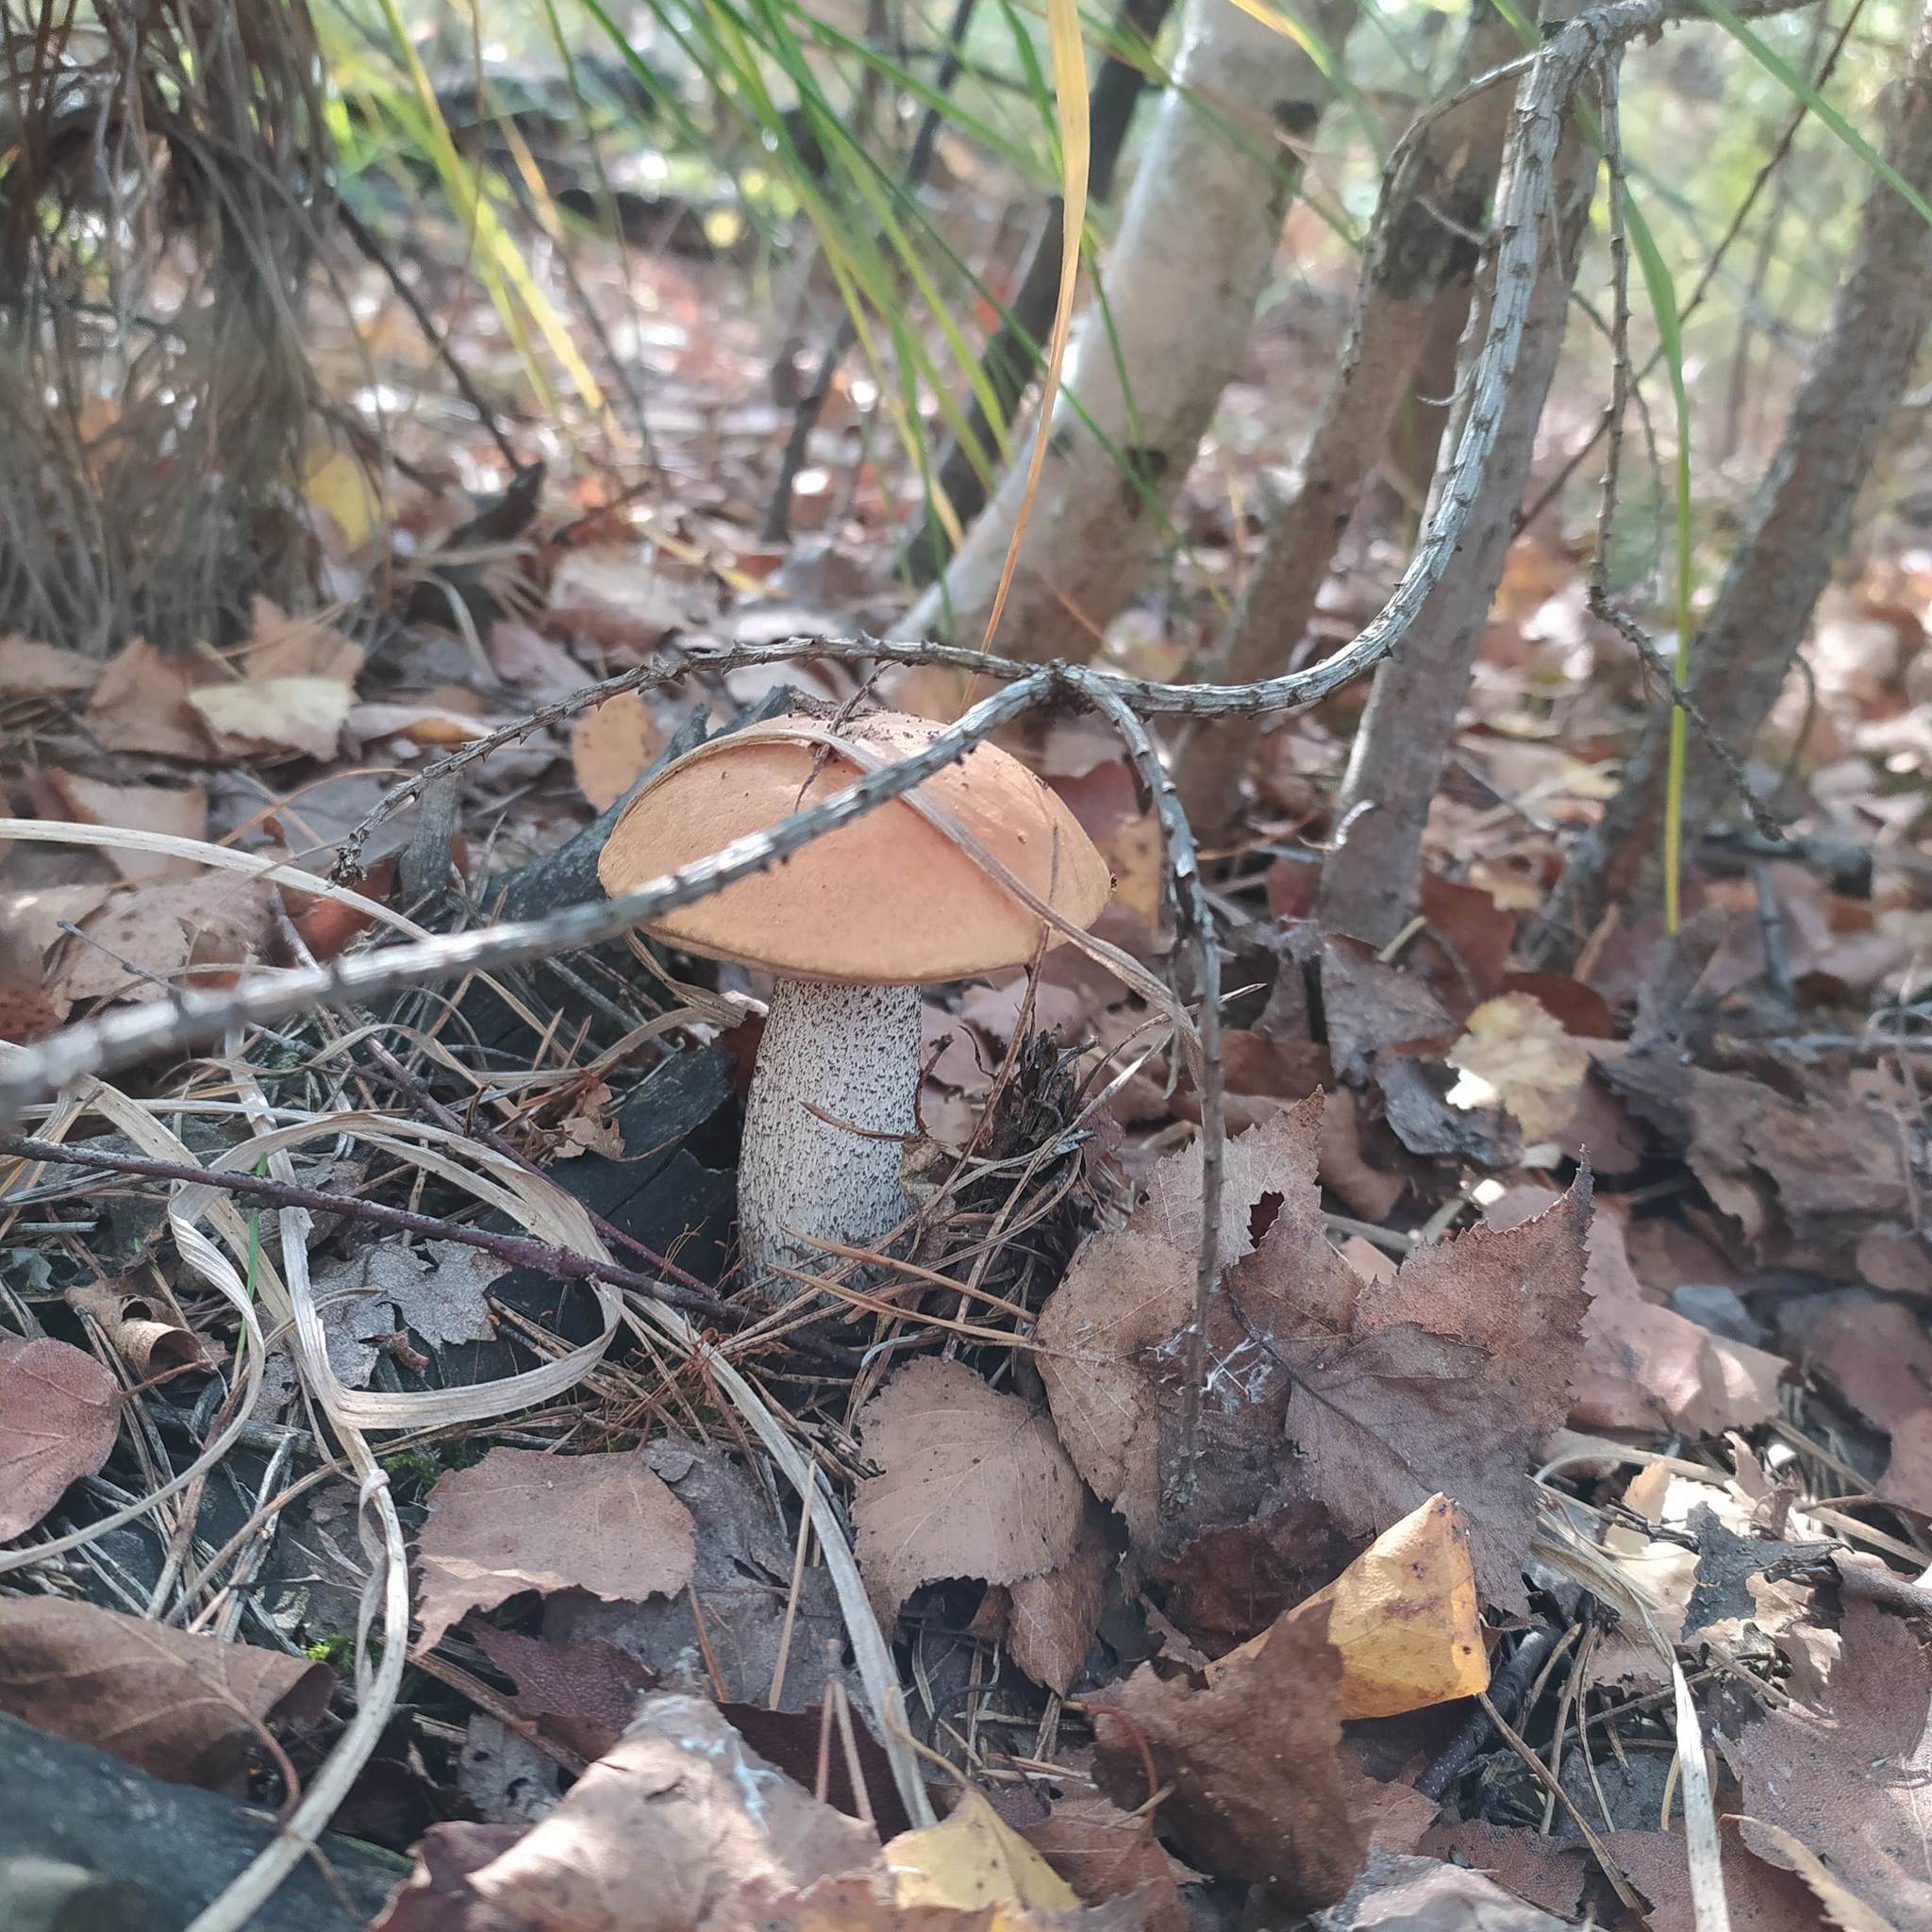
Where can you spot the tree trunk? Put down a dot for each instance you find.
(1858, 373)
(1372, 879)
(1196, 241)
(1012, 357)
(1419, 268)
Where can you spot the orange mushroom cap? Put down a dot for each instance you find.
(888, 900)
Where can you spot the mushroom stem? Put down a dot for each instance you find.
(826, 1123)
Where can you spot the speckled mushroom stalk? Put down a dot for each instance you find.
(826, 1125)
(850, 927)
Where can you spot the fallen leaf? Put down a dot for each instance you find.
(1777, 1847)
(1409, 1894)
(1104, 1852)
(172, 1703)
(1878, 1355)
(1848, 1781)
(1257, 1787)
(141, 704)
(1361, 1397)
(142, 941)
(59, 1413)
(581, 1694)
(130, 1323)
(335, 483)
(30, 670)
(420, 723)
(970, 1482)
(442, 1294)
(681, 1827)
(1645, 1366)
(1404, 1618)
(613, 594)
(29, 1008)
(973, 1861)
(1514, 1049)
(611, 747)
(281, 646)
(1372, 1006)
(294, 714)
(1055, 1615)
(524, 1520)
(181, 812)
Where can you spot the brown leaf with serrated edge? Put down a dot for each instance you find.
(611, 746)
(1104, 1852)
(1849, 1781)
(173, 1703)
(970, 1482)
(60, 1411)
(681, 1826)
(524, 1520)
(1256, 1786)
(1454, 1373)
(1055, 1615)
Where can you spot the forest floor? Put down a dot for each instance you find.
(1557, 1508)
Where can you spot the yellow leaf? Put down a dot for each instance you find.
(305, 714)
(1403, 1617)
(1515, 1050)
(334, 482)
(974, 1860)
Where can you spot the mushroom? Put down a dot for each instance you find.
(850, 926)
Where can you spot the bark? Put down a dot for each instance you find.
(1196, 241)
(1372, 879)
(1012, 357)
(1416, 279)
(1858, 373)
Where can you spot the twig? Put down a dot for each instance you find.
(518, 1251)
(358, 232)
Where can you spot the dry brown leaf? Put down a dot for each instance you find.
(130, 1323)
(682, 1827)
(1257, 1787)
(1371, 1006)
(1878, 1355)
(613, 594)
(195, 931)
(303, 715)
(1514, 1049)
(1361, 1397)
(1844, 1907)
(1452, 1375)
(1053, 1616)
(524, 1520)
(171, 1702)
(141, 703)
(1760, 1898)
(60, 1411)
(29, 1008)
(30, 670)
(1422, 1895)
(1104, 1852)
(420, 723)
(1849, 1781)
(1645, 1366)
(970, 1482)
(181, 812)
(582, 1694)
(285, 646)
(611, 747)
